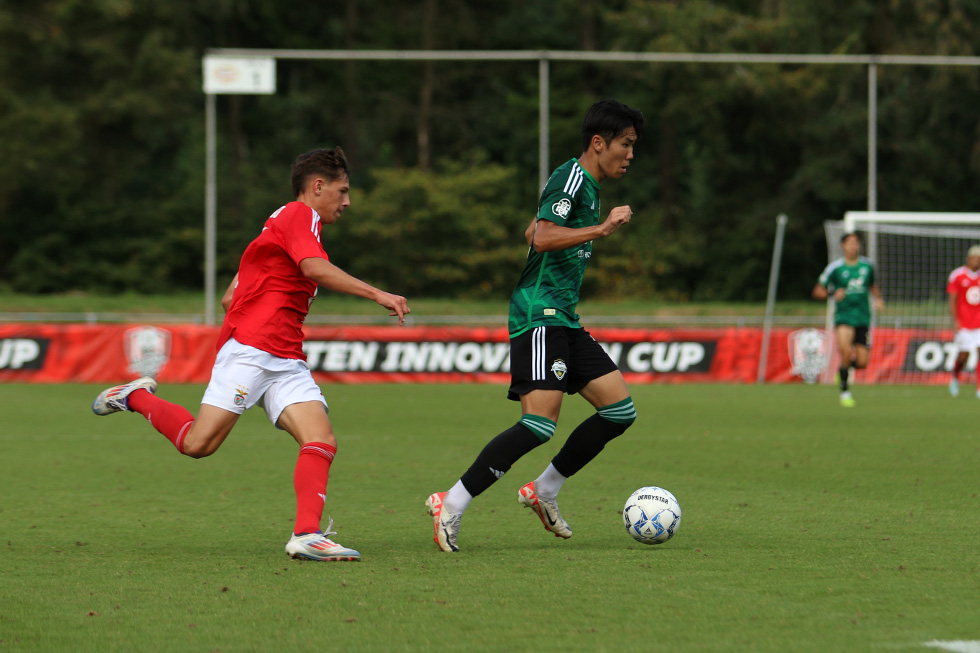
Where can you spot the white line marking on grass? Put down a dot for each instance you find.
(960, 646)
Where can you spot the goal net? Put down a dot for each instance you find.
(913, 256)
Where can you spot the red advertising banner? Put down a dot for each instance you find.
(45, 353)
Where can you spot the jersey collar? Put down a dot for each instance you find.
(586, 173)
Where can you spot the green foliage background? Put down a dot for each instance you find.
(102, 149)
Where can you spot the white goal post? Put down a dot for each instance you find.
(913, 254)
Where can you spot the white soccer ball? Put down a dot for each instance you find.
(652, 515)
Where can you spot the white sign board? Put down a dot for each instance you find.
(239, 75)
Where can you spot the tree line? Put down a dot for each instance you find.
(102, 136)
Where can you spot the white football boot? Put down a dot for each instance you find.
(546, 510)
(317, 546)
(445, 526)
(113, 400)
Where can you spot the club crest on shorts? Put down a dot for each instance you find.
(807, 351)
(240, 395)
(558, 368)
(147, 350)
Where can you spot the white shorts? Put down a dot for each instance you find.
(244, 376)
(967, 339)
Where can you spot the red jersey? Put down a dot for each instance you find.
(273, 297)
(965, 284)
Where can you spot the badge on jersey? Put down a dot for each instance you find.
(561, 208)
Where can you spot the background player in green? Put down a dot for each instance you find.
(551, 354)
(851, 279)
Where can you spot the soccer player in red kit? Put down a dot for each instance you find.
(963, 289)
(260, 348)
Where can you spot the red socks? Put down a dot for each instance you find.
(171, 420)
(310, 481)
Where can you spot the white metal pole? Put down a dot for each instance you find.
(543, 111)
(873, 137)
(777, 257)
(210, 210)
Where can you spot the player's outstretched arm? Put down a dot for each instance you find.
(550, 237)
(328, 275)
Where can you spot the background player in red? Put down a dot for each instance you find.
(260, 348)
(964, 303)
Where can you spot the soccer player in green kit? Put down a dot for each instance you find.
(851, 280)
(551, 354)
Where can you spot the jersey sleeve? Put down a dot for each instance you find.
(300, 234)
(953, 282)
(827, 276)
(560, 196)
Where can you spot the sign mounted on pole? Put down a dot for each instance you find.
(239, 75)
(225, 75)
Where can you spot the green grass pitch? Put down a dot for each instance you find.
(806, 527)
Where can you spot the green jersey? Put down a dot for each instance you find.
(856, 280)
(548, 291)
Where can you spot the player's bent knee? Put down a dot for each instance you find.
(198, 450)
(196, 446)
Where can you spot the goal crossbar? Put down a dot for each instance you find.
(851, 218)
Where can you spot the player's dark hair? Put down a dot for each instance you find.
(848, 235)
(329, 164)
(609, 119)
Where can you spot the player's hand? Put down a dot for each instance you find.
(397, 304)
(879, 304)
(840, 294)
(617, 218)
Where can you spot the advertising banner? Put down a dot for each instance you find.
(46, 353)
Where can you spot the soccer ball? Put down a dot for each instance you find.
(652, 515)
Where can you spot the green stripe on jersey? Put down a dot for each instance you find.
(542, 427)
